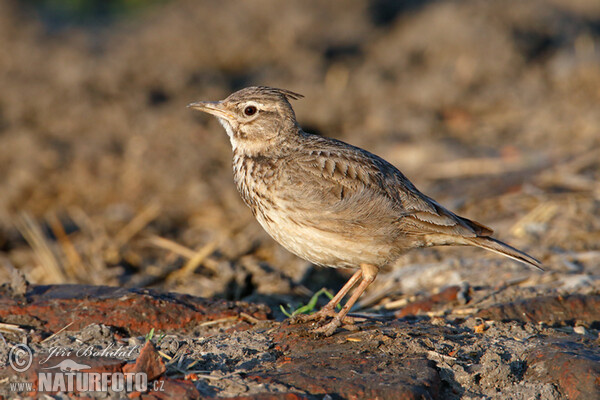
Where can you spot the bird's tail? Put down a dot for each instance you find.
(499, 247)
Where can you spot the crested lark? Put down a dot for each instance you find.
(331, 203)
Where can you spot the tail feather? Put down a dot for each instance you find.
(499, 247)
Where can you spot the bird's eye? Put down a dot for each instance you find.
(250, 110)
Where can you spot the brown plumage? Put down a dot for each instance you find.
(329, 202)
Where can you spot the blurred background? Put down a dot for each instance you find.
(491, 107)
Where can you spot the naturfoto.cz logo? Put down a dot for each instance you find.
(71, 381)
(71, 373)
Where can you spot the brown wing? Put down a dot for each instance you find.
(359, 186)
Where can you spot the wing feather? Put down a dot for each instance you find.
(354, 180)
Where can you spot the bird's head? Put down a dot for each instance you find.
(255, 117)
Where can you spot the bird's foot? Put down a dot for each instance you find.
(347, 323)
(330, 328)
(321, 315)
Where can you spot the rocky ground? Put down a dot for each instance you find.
(209, 348)
(118, 213)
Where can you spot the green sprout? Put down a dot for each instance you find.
(150, 335)
(308, 308)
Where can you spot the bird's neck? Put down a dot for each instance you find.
(278, 144)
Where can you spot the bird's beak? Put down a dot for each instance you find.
(215, 108)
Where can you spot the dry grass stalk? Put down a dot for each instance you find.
(218, 321)
(193, 262)
(172, 246)
(139, 222)
(98, 240)
(580, 161)
(32, 232)
(12, 328)
(541, 214)
(249, 318)
(568, 174)
(469, 167)
(391, 305)
(58, 332)
(74, 264)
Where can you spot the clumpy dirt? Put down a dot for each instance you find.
(112, 189)
(234, 353)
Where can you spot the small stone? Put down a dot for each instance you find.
(479, 328)
(148, 362)
(580, 330)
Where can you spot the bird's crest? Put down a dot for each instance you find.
(264, 92)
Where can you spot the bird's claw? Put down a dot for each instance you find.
(318, 316)
(328, 329)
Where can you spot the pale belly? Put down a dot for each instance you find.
(324, 247)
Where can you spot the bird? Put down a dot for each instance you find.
(331, 203)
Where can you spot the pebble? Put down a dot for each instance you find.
(580, 330)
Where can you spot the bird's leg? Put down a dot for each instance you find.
(329, 309)
(369, 272)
